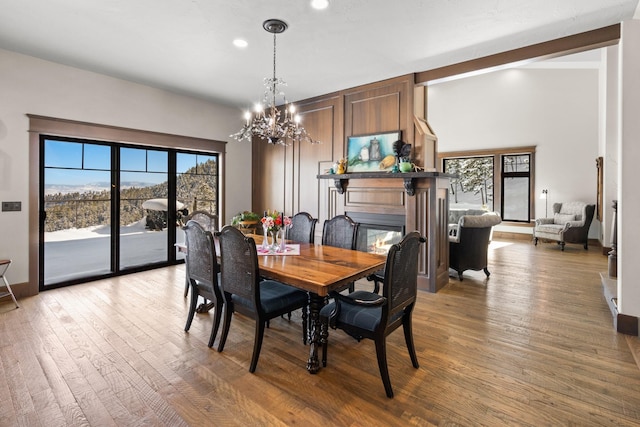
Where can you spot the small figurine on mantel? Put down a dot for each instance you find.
(342, 166)
(403, 156)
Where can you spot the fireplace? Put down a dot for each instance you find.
(377, 232)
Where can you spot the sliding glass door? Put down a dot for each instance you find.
(110, 208)
(76, 219)
(144, 206)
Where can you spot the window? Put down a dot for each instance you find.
(497, 180)
(516, 187)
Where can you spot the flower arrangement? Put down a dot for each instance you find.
(273, 221)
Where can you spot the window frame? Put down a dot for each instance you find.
(498, 154)
(72, 129)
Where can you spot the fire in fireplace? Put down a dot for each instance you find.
(377, 232)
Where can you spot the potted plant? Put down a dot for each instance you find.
(245, 219)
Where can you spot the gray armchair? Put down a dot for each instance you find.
(468, 249)
(570, 224)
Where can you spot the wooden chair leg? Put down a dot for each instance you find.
(408, 337)
(192, 309)
(228, 312)
(381, 352)
(486, 271)
(217, 315)
(257, 345)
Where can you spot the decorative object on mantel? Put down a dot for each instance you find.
(372, 153)
(341, 166)
(425, 144)
(270, 124)
(403, 154)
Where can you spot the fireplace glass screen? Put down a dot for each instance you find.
(377, 232)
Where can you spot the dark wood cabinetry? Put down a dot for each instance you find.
(286, 178)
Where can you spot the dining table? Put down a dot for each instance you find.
(317, 269)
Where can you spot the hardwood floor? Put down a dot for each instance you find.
(533, 345)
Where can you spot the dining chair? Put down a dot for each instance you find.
(209, 222)
(364, 314)
(203, 273)
(303, 228)
(244, 291)
(340, 231)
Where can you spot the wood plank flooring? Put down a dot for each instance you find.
(534, 345)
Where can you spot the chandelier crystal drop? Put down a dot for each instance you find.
(272, 124)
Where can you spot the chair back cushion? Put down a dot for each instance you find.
(562, 219)
(340, 231)
(239, 271)
(488, 219)
(571, 208)
(201, 257)
(401, 273)
(303, 228)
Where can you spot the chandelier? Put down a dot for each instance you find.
(270, 123)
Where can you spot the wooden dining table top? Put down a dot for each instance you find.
(319, 268)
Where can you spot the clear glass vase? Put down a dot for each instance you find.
(274, 240)
(265, 238)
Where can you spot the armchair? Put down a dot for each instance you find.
(363, 314)
(570, 224)
(468, 248)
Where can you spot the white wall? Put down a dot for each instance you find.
(628, 157)
(555, 110)
(33, 86)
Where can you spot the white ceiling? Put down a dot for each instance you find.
(186, 45)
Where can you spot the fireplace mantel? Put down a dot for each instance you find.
(341, 180)
(423, 201)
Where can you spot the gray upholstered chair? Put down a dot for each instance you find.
(570, 224)
(468, 248)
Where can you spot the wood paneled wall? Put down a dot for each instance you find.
(285, 177)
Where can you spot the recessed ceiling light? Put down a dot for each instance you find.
(319, 4)
(240, 43)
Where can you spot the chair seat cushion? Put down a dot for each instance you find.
(549, 228)
(366, 318)
(276, 296)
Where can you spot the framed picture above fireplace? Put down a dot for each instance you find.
(372, 153)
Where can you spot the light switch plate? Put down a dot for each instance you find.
(11, 206)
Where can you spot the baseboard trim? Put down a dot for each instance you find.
(626, 324)
(507, 235)
(622, 323)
